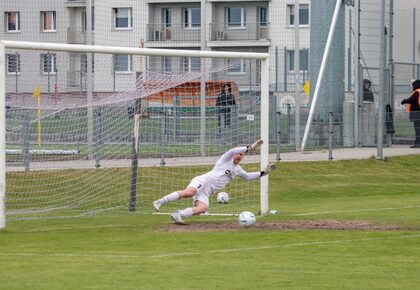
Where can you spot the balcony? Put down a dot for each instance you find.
(76, 36)
(239, 32)
(159, 33)
(77, 3)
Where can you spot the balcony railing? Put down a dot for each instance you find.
(162, 32)
(239, 31)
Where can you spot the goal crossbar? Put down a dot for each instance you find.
(131, 50)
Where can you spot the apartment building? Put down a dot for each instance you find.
(247, 26)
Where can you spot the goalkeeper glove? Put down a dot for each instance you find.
(257, 144)
(270, 167)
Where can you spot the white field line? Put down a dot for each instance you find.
(72, 228)
(280, 246)
(53, 229)
(355, 210)
(57, 255)
(185, 254)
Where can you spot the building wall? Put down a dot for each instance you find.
(31, 30)
(70, 19)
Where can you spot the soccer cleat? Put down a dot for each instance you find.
(156, 205)
(177, 218)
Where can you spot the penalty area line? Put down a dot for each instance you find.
(168, 255)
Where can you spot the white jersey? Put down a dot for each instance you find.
(225, 170)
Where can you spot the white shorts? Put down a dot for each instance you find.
(204, 190)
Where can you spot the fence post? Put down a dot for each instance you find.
(330, 135)
(278, 135)
(98, 137)
(26, 140)
(162, 138)
(176, 117)
(289, 109)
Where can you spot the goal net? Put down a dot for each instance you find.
(140, 126)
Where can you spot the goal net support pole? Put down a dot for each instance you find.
(321, 72)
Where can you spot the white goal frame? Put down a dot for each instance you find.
(263, 57)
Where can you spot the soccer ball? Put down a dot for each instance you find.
(223, 197)
(247, 219)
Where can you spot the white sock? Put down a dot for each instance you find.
(170, 197)
(188, 212)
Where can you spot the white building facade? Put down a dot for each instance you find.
(248, 26)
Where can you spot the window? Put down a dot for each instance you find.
(84, 20)
(123, 63)
(236, 66)
(192, 17)
(13, 64)
(191, 64)
(262, 16)
(167, 17)
(303, 14)
(236, 17)
(303, 60)
(13, 21)
(48, 21)
(122, 18)
(48, 63)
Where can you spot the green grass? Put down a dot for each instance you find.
(138, 252)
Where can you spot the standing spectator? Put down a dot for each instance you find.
(221, 105)
(224, 102)
(414, 108)
(367, 91)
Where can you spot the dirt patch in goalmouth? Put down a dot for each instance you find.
(285, 225)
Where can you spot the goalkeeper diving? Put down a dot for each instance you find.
(202, 186)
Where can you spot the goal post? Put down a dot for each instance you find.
(167, 131)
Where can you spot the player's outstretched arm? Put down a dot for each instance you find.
(269, 168)
(245, 149)
(256, 145)
(253, 175)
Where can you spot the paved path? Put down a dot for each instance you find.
(348, 153)
(322, 155)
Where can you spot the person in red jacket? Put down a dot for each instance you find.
(414, 108)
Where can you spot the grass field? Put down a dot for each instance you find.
(147, 252)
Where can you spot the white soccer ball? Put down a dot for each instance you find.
(247, 219)
(223, 197)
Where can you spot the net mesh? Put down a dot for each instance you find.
(134, 139)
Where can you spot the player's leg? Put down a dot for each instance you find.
(199, 207)
(201, 204)
(174, 196)
(189, 191)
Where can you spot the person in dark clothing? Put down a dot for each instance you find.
(225, 101)
(367, 92)
(414, 108)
